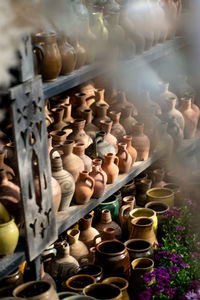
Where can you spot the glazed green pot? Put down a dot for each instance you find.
(112, 204)
(143, 212)
(164, 195)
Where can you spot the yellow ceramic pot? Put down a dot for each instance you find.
(4, 215)
(9, 236)
(143, 212)
(121, 283)
(161, 194)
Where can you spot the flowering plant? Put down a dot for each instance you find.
(177, 268)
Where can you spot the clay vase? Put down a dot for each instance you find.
(126, 208)
(125, 159)
(9, 236)
(81, 104)
(67, 117)
(163, 94)
(114, 258)
(144, 213)
(100, 147)
(58, 137)
(80, 53)
(88, 40)
(190, 118)
(112, 204)
(63, 265)
(120, 283)
(142, 228)
(68, 55)
(103, 291)
(106, 221)
(110, 167)
(36, 290)
(127, 119)
(90, 128)
(131, 150)
(106, 126)
(142, 187)
(139, 248)
(175, 131)
(87, 232)
(48, 55)
(88, 88)
(121, 102)
(140, 141)
(171, 111)
(79, 150)
(99, 99)
(84, 188)
(66, 181)
(9, 171)
(161, 194)
(100, 179)
(77, 283)
(58, 123)
(165, 139)
(157, 178)
(70, 160)
(117, 129)
(92, 270)
(101, 114)
(78, 134)
(77, 248)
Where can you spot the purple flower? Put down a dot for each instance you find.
(190, 202)
(194, 284)
(170, 292)
(145, 295)
(178, 237)
(163, 281)
(160, 270)
(186, 266)
(179, 227)
(191, 296)
(175, 258)
(159, 245)
(196, 255)
(148, 276)
(174, 269)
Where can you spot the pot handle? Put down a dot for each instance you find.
(121, 213)
(95, 239)
(126, 152)
(116, 160)
(102, 175)
(91, 180)
(56, 148)
(39, 49)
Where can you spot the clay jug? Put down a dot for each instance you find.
(126, 208)
(79, 135)
(99, 147)
(106, 126)
(108, 234)
(100, 179)
(37, 290)
(48, 55)
(142, 187)
(101, 32)
(80, 52)
(110, 167)
(98, 162)
(84, 188)
(87, 232)
(117, 129)
(90, 128)
(58, 123)
(68, 55)
(142, 228)
(157, 178)
(145, 213)
(131, 150)
(190, 118)
(58, 100)
(66, 181)
(125, 159)
(77, 248)
(9, 171)
(81, 104)
(127, 119)
(9, 236)
(139, 248)
(67, 118)
(114, 258)
(106, 221)
(70, 160)
(120, 283)
(164, 94)
(140, 141)
(88, 88)
(171, 111)
(88, 40)
(101, 114)
(79, 150)
(77, 283)
(165, 140)
(63, 265)
(58, 137)
(99, 99)
(121, 102)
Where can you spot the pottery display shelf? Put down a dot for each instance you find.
(88, 72)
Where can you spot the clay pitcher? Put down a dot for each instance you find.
(127, 120)
(58, 123)
(141, 142)
(131, 150)
(79, 135)
(106, 126)
(125, 159)
(87, 232)
(68, 55)
(84, 188)
(90, 128)
(117, 129)
(100, 179)
(80, 53)
(79, 150)
(77, 248)
(101, 114)
(110, 167)
(81, 104)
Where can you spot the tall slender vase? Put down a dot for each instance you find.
(190, 118)
(127, 120)
(131, 150)
(90, 128)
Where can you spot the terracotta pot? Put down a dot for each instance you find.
(101, 114)
(106, 126)
(121, 102)
(92, 270)
(48, 55)
(78, 134)
(9, 171)
(131, 150)
(112, 204)
(114, 258)
(171, 111)
(68, 55)
(129, 203)
(111, 167)
(81, 104)
(77, 248)
(140, 141)
(125, 159)
(100, 179)
(58, 100)
(142, 228)
(127, 120)
(120, 283)
(190, 118)
(157, 176)
(66, 181)
(58, 123)
(36, 290)
(142, 187)
(46, 277)
(163, 94)
(87, 232)
(103, 291)
(58, 137)
(79, 150)
(161, 209)
(84, 188)
(161, 194)
(106, 221)
(178, 194)
(117, 129)
(99, 99)
(67, 118)
(88, 88)
(139, 248)
(107, 234)
(77, 283)
(143, 212)
(90, 128)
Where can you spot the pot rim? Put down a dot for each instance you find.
(101, 284)
(89, 265)
(109, 241)
(157, 203)
(137, 240)
(140, 259)
(28, 284)
(115, 279)
(133, 221)
(148, 193)
(12, 220)
(74, 277)
(140, 209)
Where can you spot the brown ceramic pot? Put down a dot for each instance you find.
(100, 179)
(78, 282)
(90, 128)
(140, 141)
(79, 135)
(142, 187)
(58, 123)
(68, 55)
(103, 291)
(110, 167)
(190, 118)
(131, 150)
(10, 282)
(58, 137)
(125, 159)
(36, 290)
(11, 157)
(117, 129)
(139, 248)
(99, 99)
(121, 283)
(84, 188)
(77, 248)
(171, 111)
(87, 232)
(67, 117)
(127, 120)
(81, 104)
(80, 53)
(101, 114)
(79, 150)
(161, 209)
(106, 126)
(88, 40)
(92, 270)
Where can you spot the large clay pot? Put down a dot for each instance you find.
(81, 104)
(143, 212)
(106, 126)
(142, 186)
(190, 118)
(68, 55)
(127, 119)
(101, 114)
(121, 283)
(100, 179)
(48, 55)
(125, 159)
(111, 167)
(9, 236)
(106, 221)
(171, 111)
(131, 150)
(139, 248)
(161, 194)
(84, 188)
(90, 128)
(112, 204)
(103, 291)
(66, 181)
(79, 150)
(36, 290)
(114, 258)
(92, 270)
(9, 171)
(140, 141)
(77, 248)
(67, 118)
(78, 282)
(58, 123)
(117, 129)
(78, 134)
(87, 232)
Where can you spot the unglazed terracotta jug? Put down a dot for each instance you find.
(90, 128)
(79, 150)
(101, 114)
(139, 248)
(77, 248)
(127, 120)
(66, 181)
(58, 123)
(190, 118)
(117, 129)
(87, 232)
(78, 134)
(164, 94)
(125, 159)
(120, 282)
(48, 55)
(81, 104)
(9, 171)
(99, 99)
(106, 126)
(140, 141)
(36, 290)
(121, 102)
(131, 150)
(110, 167)
(100, 179)
(68, 55)
(67, 118)
(84, 188)
(58, 138)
